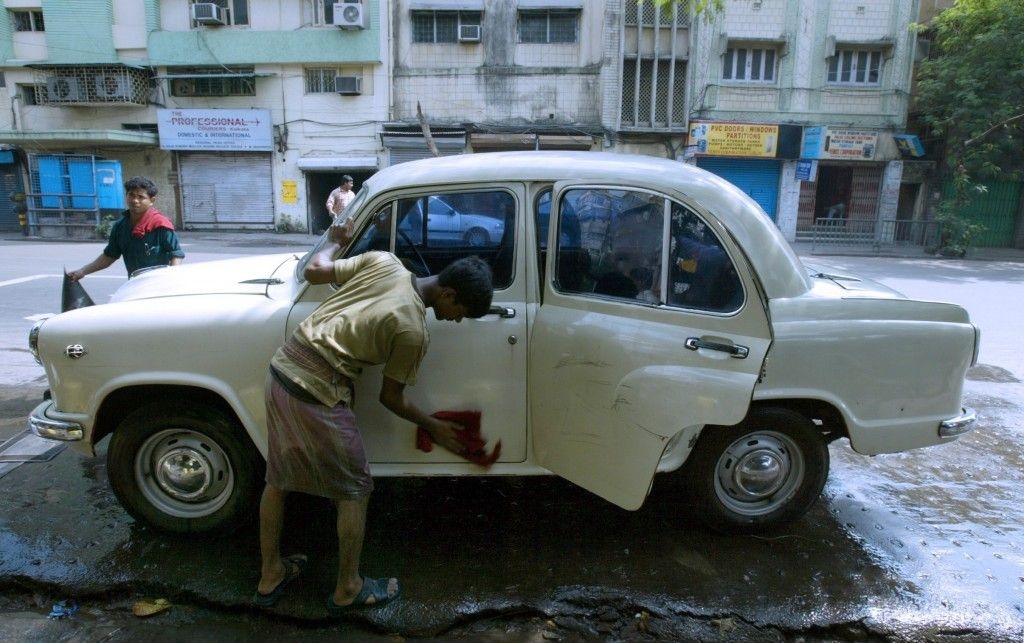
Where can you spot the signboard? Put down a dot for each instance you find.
(909, 145)
(734, 139)
(839, 144)
(215, 129)
(806, 170)
(289, 192)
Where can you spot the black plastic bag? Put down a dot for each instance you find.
(73, 295)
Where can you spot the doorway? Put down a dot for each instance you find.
(832, 194)
(319, 186)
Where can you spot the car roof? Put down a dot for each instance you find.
(779, 268)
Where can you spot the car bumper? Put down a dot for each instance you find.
(53, 429)
(957, 426)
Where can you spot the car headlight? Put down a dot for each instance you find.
(33, 339)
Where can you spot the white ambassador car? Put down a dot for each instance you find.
(669, 327)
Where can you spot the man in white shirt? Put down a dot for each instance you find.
(340, 197)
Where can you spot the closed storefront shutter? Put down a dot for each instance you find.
(226, 190)
(757, 177)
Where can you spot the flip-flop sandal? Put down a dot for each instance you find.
(294, 566)
(376, 588)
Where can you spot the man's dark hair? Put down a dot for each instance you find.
(137, 182)
(345, 178)
(472, 282)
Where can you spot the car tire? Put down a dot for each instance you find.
(477, 237)
(185, 468)
(759, 474)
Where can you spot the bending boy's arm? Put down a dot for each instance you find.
(392, 396)
(320, 269)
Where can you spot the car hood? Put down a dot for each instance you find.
(237, 276)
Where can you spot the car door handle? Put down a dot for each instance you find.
(734, 350)
(502, 311)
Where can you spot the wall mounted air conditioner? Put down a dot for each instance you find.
(348, 85)
(208, 13)
(469, 33)
(64, 88)
(351, 15)
(111, 86)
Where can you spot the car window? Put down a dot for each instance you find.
(616, 244)
(702, 274)
(432, 230)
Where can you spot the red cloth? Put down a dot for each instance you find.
(150, 221)
(476, 446)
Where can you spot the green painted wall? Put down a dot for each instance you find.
(6, 32)
(79, 32)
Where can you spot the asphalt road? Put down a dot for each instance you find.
(916, 546)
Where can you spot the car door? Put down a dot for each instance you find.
(478, 364)
(636, 341)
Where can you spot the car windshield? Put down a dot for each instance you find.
(351, 209)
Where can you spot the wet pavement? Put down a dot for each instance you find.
(919, 546)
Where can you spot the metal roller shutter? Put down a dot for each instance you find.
(757, 177)
(226, 189)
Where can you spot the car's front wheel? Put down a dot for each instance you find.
(185, 470)
(759, 474)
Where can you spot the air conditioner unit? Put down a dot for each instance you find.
(469, 33)
(351, 15)
(349, 85)
(208, 13)
(111, 86)
(64, 88)
(183, 87)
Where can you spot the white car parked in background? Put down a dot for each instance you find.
(653, 319)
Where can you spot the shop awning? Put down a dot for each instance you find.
(76, 138)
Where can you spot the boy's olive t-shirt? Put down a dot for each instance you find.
(375, 317)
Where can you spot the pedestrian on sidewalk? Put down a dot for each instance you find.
(340, 197)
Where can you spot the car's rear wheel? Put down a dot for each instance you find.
(759, 474)
(477, 237)
(185, 470)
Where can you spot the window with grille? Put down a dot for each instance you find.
(237, 10)
(441, 26)
(861, 67)
(320, 80)
(31, 20)
(214, 81)
(548, 27)
(749, 65)
(653, 90)
(647, 14)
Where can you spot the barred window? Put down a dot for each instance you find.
(548, 27)
(751, 65)
(320, 80)
(855, 67)
(441, 26)
(213, 81)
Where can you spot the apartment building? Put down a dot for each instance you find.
(248, 111)
(245, 112)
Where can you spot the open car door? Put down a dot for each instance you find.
(651, 325)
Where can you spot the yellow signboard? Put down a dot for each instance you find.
(289, 192)
(734, 139)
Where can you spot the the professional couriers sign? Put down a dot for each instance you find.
(215, 129)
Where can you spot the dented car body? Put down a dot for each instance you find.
(648, 317)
